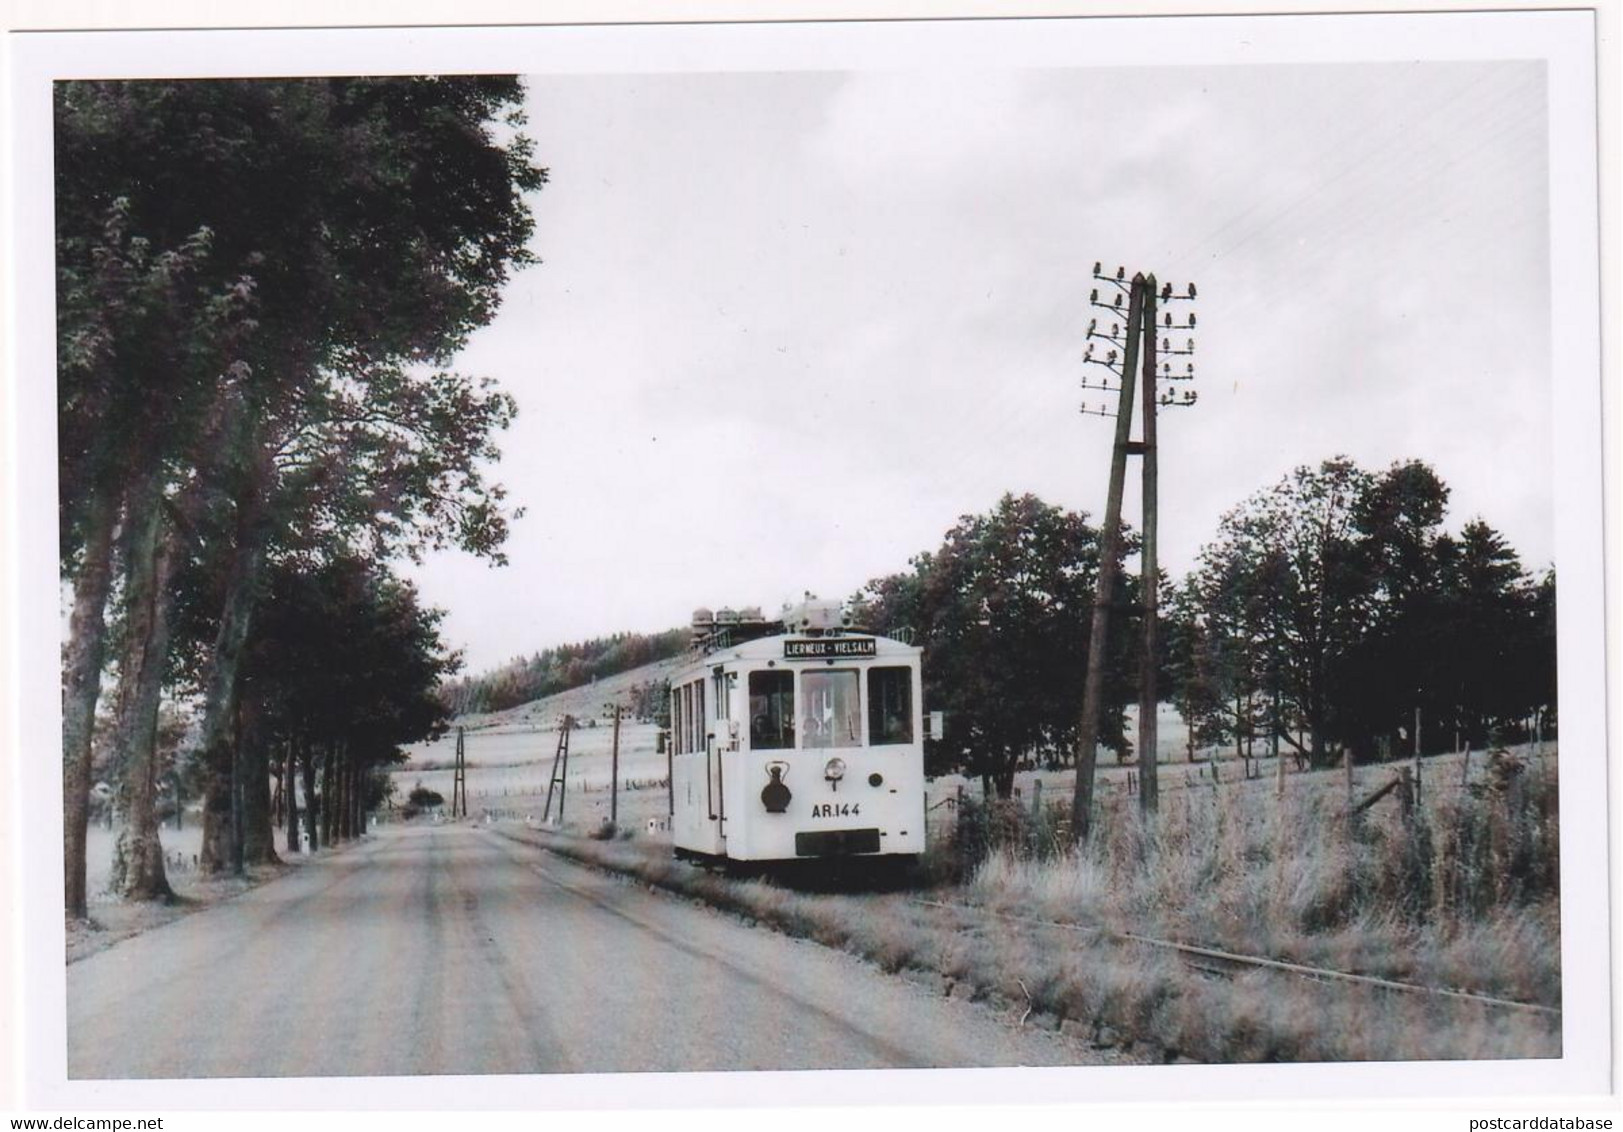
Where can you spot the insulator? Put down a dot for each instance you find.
(1168, 319)
(1115, 330)
(1110, 358)
(1191, 320)
(1118, 300)
(1191, 345)
(1093, 295)
(1190, 369)
(1092, 322)
(1088, 356)
(1121, 273)
(1191, 290)
(1166, 291)
(1166, 343)
(1097, 269)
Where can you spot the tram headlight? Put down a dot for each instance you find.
(834, 769)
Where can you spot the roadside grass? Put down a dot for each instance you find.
(1240, 874)
(1462, 895)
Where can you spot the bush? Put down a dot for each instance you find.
(423, 798)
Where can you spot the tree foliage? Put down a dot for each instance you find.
(563, 667)
(1336, 603)
(1002, 611)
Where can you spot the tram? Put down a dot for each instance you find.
(796, 739)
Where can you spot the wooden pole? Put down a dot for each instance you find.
(1417, 754)
(1087, 751)
(614, 771)
(1148, 700)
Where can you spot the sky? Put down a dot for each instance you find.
(789, 327)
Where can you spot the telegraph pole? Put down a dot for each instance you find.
(1142, 310)
(459, 779)
(1149, 792)
(614, 772)
(1110, 544)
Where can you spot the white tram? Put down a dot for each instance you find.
(796, 739)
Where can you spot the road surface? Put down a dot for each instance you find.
(449, 949)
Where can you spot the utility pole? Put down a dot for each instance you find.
(1140, 329)
(1087, 751)
(614, 771)
(1149, 794)
(459, 778)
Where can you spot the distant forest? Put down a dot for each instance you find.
(558, 670)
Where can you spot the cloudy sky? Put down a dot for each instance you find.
(790, 326)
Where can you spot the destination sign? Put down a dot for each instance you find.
(828, 647)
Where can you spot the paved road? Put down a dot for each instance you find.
(447, 949)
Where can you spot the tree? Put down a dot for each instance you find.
(1283, 594)
(362, 225)
(346, 666)
(1002, 611)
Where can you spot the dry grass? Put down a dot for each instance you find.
(1227, 868)
(1464, 896)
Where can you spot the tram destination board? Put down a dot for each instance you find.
(819, 648)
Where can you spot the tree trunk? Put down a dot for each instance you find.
(290, 798)
(216, 757)
(307, 761)
(225, 666)
(81, 686)
(340, 797)
(253, 761)
(138, 872)
(328, 793)
(362, 774)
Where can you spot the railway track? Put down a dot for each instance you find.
(1217, 961)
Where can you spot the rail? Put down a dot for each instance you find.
(1299, 969)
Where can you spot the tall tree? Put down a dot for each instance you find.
(1002, 610)
(372, 223)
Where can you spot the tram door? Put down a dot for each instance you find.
(720, 740)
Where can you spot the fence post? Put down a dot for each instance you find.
(1346, 764)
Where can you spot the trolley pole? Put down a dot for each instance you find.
(1087, 751)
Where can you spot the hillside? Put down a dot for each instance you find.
(589, 701)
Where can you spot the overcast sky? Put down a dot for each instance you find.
(789, 327)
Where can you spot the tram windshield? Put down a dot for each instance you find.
(772, 711)
(831, 714)
(890, 706)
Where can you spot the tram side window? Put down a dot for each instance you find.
(830, 709)
(890, 705)
(699, 722)
(772, 711)
(677, 733)
(687, 719)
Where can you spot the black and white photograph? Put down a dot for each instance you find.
(573, 557)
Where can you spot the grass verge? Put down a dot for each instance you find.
(1106, 992)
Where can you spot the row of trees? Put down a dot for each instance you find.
(559, 669)
(1326, 610)
(257, 282)
(1333, 605)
